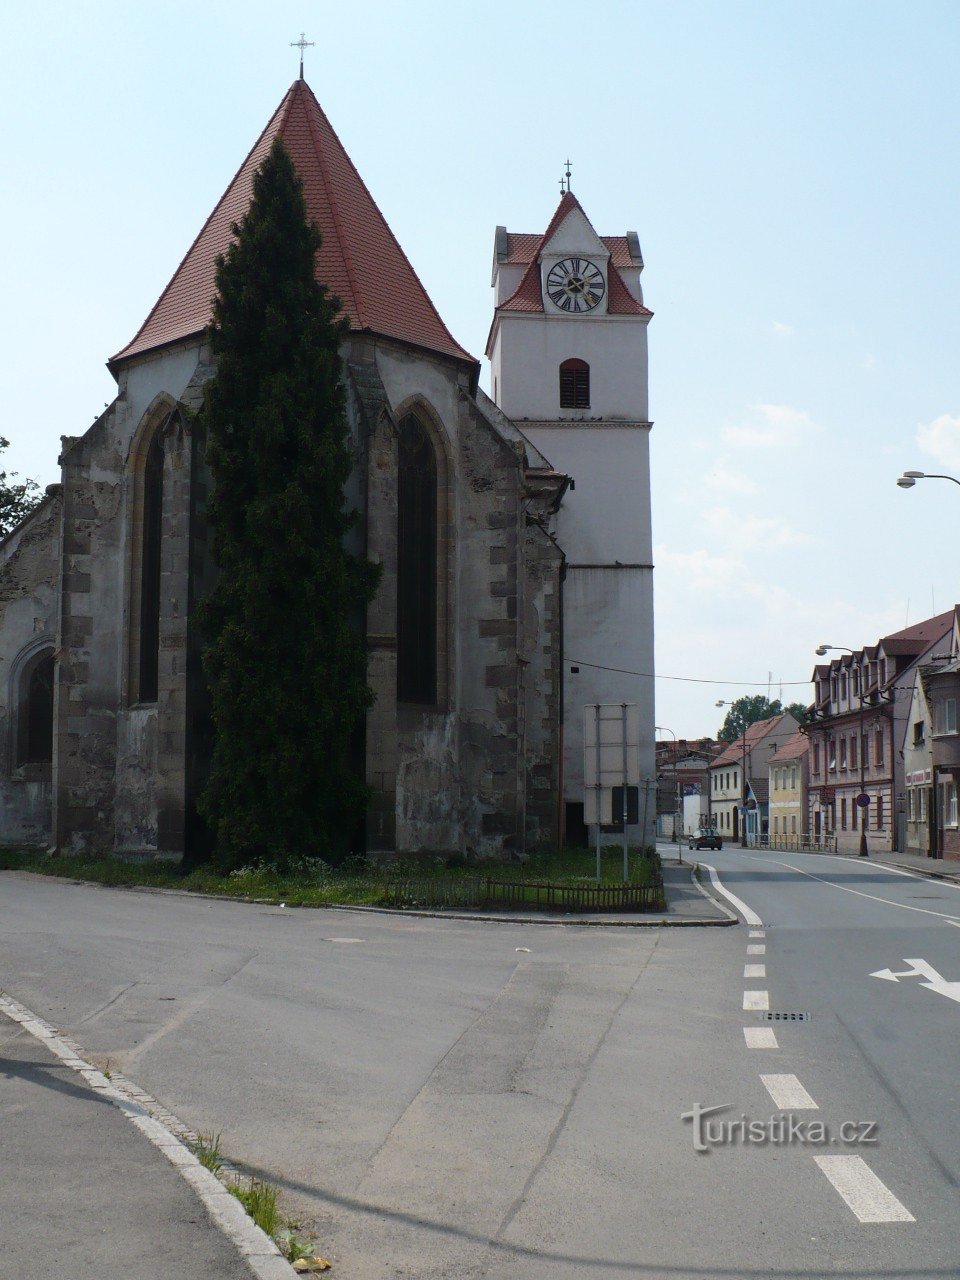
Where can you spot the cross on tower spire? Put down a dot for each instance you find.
(301, 44)
(565, 180)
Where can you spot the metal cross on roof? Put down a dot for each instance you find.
(301, 44)
(565, 180)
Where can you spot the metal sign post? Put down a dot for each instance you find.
(611, 762)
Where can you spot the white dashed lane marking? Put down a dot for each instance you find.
(757, 949)
(756, 1000)
(754, 970)
(866, 1196)
(760, 1038)
(757, 933)
(788, 1093)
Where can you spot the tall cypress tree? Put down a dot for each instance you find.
(284, 655)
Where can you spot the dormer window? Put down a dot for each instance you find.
(574, 384)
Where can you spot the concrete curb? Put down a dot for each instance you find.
(160, 1127)
(652, 921)
(732, 917)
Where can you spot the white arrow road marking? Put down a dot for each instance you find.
(868, 1198)
(788, 1093)
(760, 1038)
(934, 981)
(756, 1000)
(751, 917)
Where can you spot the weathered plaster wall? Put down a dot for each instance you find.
(29, 571)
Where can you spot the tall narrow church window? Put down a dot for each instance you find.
(574, 384)
(416, 565)
(35, 732)
(150, 571)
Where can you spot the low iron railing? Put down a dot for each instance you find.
(486, 893)
(799, 844)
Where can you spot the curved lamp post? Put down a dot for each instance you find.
(910, 478)
(677, 835)
(820, 651)
(743, 782)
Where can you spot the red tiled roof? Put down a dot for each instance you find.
(792, 749)
(528, 296)
(754, 733)
(360, 259)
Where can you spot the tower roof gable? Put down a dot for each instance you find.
(360, 259)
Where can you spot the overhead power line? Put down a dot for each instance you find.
(655, 675)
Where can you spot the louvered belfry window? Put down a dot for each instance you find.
(574, 384)
(416, 565)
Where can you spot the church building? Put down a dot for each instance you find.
(513, 531)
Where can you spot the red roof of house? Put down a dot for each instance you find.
(793, 748)
(360, 258)
(754, 733)
(528, 296)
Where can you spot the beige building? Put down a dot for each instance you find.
(788, 793)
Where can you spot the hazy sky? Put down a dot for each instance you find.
(791, 169)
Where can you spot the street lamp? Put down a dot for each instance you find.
(677, 835)
(821, 650)
(743, 779)
(910, 478)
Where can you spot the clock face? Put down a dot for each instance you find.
(575, 284)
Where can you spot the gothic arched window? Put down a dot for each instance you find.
(574, 384)
(35, 728)
(416, 565)
(150, 571)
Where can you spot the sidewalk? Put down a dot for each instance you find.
(938, 868)
(85, 1195)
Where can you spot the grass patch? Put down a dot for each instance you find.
(207, 1150)
(314, 883)
(260, 1201)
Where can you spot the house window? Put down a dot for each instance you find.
(843, 814)
(923, 804)
(878, 760)
(793, 777)
(35, 726)
(853, 752)
(832, 755)
(416, 565)
(912, 804)
(793, 824)
(879, 823)
(816, 758)
(918, 728)
(574, 384)
(843, 753)
(949, 793)
(843, 687)
(947, 716)
(149, 672)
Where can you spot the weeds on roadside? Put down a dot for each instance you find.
(260, 1201)
(207, 1150)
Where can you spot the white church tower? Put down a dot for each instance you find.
(568, 356)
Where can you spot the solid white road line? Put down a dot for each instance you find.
(757, 949)
(749, 916)
(754, 970)
(924, 911)
(757, 933)
(868, 1198)
(760, 1038)
(788, 1093)
(756, 1000)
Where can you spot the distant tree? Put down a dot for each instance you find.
(16, 500)
(745, 712)
(284, 653)
(798, 711)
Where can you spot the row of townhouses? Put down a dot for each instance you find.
(875, 768)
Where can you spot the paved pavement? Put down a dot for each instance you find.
(448, 1099)
(83, 1194)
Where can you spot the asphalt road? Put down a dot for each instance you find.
(456, 1099)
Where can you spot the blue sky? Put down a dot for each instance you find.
(791, 169)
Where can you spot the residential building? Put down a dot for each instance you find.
(919, 818)
(739, 779)
(787, 787)
(682, 783)
(938, 793)
(862, 702)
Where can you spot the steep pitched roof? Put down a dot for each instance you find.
(528, 295)
(793, 748)
(360, 258)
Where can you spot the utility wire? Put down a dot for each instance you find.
(652, 675)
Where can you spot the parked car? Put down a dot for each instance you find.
(706, 838)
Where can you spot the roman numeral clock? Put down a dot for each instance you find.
(575, 284)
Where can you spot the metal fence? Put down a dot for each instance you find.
(480, 893)
(798, 844)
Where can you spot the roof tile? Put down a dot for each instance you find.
(360, 259)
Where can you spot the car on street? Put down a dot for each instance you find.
(706, 838)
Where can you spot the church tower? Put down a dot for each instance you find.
(568, 357)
